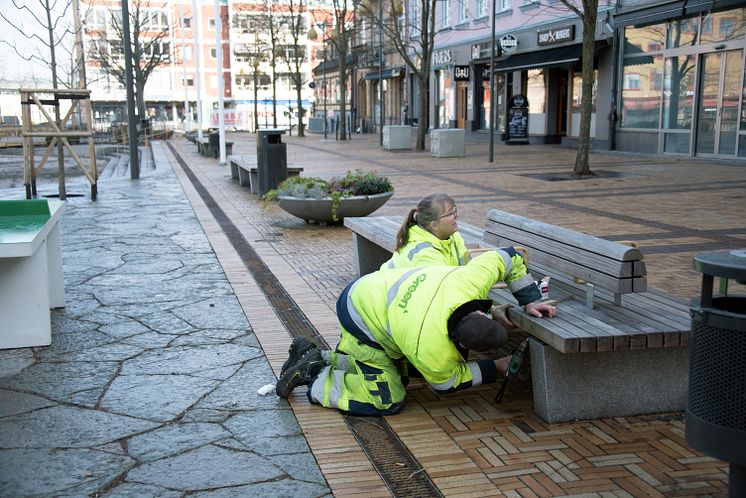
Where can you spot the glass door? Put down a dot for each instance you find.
(719, 91)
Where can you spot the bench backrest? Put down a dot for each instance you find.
(570, 255)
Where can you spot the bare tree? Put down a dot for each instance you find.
(42, 47)
(296, 54)
(413, 38)
(339, 35)
(149, 29)
(254, 53)
(50, 20)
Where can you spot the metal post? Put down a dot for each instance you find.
(197, 72)
(131, 126)
(380, 72)
(325, 125)
(491, 150)
(221, 97)
(187, 116)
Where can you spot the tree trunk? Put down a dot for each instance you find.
(299, 106)
(422, 113)
(341, 123)
(582, 168)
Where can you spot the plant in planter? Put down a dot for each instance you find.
(311, 198)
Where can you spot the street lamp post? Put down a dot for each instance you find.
(325, 125)
(492, 87)
(380, 72)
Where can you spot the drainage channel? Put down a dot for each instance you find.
(399, 470)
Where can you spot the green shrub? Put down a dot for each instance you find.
(357, 183)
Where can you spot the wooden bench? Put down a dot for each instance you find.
(244, 169)
(31, 277)
(615, 347)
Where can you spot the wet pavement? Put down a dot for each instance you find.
(150, 385)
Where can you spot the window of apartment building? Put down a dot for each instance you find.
(481, 8)
(445, 14)
(505, 5)
(154, 21)
(246, 52)
(245, 23)
(463, 10)
(96, 20)
(157, 49)
(211, 23)
(414, 11)
(186, 22)
(116, 48)
(213, 53)
(187, 81)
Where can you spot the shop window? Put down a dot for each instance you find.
(644, 40)
(536, 95)
(678, 97)
(682, 32)
(577, 100)
(641, 95)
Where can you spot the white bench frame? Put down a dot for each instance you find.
(615, 359)
(31, 282)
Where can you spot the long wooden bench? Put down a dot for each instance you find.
(615, 347)
(244, 169)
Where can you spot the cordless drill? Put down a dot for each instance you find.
(516, 361)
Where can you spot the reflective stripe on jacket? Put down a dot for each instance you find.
(425, 249)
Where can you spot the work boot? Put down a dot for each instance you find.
(298, 348)
(302, 373)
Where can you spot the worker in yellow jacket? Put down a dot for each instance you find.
(429, 236)
(428, 316)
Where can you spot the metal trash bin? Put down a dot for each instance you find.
(213, 143)
(271, 159)
(716, 404)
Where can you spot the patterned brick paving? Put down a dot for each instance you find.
(467, 444)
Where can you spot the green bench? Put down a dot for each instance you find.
(31, 277)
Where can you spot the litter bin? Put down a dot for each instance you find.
(271, 159)
(716, 404)
(213, 143)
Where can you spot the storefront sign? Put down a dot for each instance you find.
(461, 73)
(508, 43)
(518, 119)
(481, 51)
(556, 35)
(442, 57)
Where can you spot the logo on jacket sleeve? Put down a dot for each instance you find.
(410, 290)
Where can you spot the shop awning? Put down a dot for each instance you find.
(559, 56)
(650, 15)
(393, 72)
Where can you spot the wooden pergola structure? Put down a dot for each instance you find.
(53, 97)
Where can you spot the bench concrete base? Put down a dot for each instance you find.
(397, 137)
(449, 142)
(368, 256)
(245, 171)
(625, 382)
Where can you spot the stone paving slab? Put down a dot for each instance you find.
(150, 385)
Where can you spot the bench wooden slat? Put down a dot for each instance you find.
(579, 240)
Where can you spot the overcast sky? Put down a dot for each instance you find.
(14, 70)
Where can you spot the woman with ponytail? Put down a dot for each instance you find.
(429, 236)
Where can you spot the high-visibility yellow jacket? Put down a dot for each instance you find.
(425, 249)
(405, 312)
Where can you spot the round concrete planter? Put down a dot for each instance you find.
(320, 210)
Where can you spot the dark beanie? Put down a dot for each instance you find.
(479, 333)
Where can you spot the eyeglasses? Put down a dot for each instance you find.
(453, 212)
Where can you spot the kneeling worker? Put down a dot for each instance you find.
(428, 316)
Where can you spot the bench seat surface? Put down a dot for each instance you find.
(651, 319)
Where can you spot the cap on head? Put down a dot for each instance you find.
(479, 332)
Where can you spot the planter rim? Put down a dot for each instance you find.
(351, 197)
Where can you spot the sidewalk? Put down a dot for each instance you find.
(150, 385)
